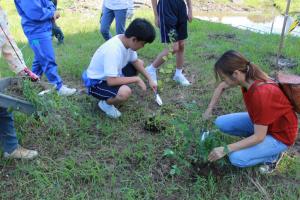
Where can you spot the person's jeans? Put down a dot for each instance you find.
(107, 17)
(44, 61)
(240, 124)
(8, 135)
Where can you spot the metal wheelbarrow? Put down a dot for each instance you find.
(7, 101)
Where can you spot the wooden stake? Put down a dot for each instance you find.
(282, 33)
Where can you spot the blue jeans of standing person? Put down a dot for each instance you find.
(240, 124)
(107, 18)
(44, 60)
(8, 135)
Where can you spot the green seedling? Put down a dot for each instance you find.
(167, 70)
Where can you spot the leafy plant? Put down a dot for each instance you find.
(167, 70)
(194, 144)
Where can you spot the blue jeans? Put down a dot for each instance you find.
(8, 135)
(240, 124)
(44, 61)
(107, 17)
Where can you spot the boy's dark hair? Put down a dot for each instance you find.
(142, 29)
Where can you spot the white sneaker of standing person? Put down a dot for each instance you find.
(180, 78)
(65, 91)
(152, 72)
(110, 110)
(21, 153)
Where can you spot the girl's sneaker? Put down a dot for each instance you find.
(110, 110)
(269, 167)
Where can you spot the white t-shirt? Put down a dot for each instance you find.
(118, 4)
(109, 59)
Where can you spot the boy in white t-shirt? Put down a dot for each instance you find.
(115, 65)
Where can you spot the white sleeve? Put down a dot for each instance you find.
(112, 63)
(133, 56)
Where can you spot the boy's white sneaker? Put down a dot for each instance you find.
(65, 91)
(152, 74)
(181, 80)
(110, 110)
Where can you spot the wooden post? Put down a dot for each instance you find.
(282, 33)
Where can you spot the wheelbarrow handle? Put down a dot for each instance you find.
(17, 104)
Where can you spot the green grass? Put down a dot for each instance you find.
(85, 155)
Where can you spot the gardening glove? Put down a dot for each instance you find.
(27, 72)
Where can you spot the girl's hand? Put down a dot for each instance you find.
(216, 154)
(208, 114)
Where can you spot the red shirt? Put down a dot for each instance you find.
(267, 105)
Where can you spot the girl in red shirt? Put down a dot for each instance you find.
(269, 127)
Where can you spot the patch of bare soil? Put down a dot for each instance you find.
(222, 36)
(83, 6)
(295, 150)
(218, 110)
(207, 168)
(283, 62)
(211, 5)
(15, 89)
(154, 124)
(209, 56)
(161, 170)
(6, 170)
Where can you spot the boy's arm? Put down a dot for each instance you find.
(154, 7)
(139, 66)
(35, 11)
(215, 99)
(190, 10)
(116, 81)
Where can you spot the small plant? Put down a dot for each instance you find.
(175, 170)
(155, 123)
(167, 70)
(193, 144)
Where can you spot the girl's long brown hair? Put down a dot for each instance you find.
(233, 60)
